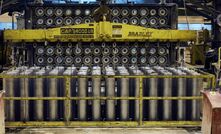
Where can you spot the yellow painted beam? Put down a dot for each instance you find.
(102, 124)
(102, 31)
(105, 98)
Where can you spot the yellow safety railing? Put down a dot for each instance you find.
(140, 123)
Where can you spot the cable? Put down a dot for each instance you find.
(1, 6)
(187, 21)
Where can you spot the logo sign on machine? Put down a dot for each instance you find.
(140, 34)
(77, 31)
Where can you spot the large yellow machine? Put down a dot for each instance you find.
(101, 73)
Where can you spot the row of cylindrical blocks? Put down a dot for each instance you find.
(101, 49)
(58, 17)
(101, 60)
(40, 11)
(68, 55)
(101, 109)
(59, 21)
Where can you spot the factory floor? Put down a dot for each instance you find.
(105, 131)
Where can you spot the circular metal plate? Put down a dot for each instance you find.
(50, 60)
(125, 12)
(152, 50)
(77, 12)
(106, 60)
(153, 21)
(59, 51)
(96, 60)
(116, 20)
(49, 12)
(125, 60)
(50, 51)
(87, 12)
(162, 12)
(49, 22)
(125, 20)
(116, 60)
(144, 12)
(78, 60)
(115, 11)
(77, 20)
(133, 60)
(162, 51)
(68, 21)
(162, 60)
(143, 51)
(134, 21)
(87, 20)
(40, 21)
(59, 21)
(152, 60)
(143, 21)
(133, 51)
(153, 12)
(68, 12)
(87, 60)
(68, 51)
(87, 51)
(162, 21)
(69, 60)
(40, 60)
(97, 51)
(59, 60)
(40, 50)
(77, 51)
(134, 12)
(143, 60)
(125, 51)
(39, 11)
(58, 12)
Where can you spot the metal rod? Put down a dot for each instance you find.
(180, 83)
(124, 92)
(96, 86)
(25, 83)
(167, 92)
(53, 92)
(82, 92)
(9, 87)
(38, 92)
(110, 92)
(136, 71)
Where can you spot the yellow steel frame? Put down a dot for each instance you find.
(140, 123)
(101, 31)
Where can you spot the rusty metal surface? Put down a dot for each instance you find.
(2, 114)
(211, 113)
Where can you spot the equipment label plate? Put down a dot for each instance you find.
(77, 31)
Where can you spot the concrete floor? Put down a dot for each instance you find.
(104, 131)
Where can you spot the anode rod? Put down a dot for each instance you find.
(82, 92)
(110, 92)
(96, 87)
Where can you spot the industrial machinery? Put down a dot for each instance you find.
(71, 71)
